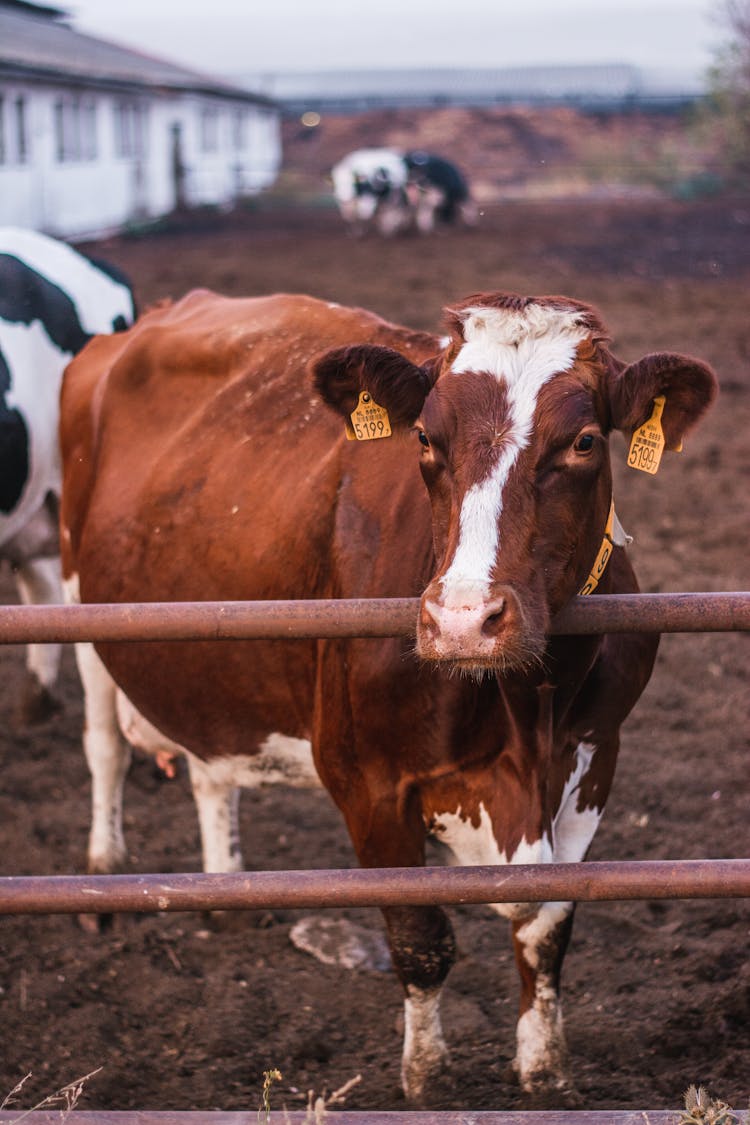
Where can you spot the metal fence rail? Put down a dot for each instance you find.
(347, 1117)
(403, 886)
(380, 617)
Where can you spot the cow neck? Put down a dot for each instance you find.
(614, 535)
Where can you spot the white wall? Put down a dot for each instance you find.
(98, 187)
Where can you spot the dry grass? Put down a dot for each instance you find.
(65, 1099)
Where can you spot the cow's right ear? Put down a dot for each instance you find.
(393, 381)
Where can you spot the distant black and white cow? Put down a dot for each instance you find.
(52, 301)
(390, 191)
(369, 186)
(437, 190)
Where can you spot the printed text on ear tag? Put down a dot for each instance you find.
(368, 420)
(647, 445)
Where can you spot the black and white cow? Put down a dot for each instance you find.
(391, 191)
(369, 186)
(52, 301)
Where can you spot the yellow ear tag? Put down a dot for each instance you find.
(369, 421)
(647, 445)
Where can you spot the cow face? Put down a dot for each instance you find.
(511, 424)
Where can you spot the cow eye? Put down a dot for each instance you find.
(423, 438)
(584, 443)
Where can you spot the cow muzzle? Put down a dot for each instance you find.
(477, 629)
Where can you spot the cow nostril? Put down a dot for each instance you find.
(427, 619)
(493, 621)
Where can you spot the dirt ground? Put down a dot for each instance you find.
(181, 1015)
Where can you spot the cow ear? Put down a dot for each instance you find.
(393, 381)
(688, 385)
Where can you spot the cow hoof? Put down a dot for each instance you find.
(551, 1091)
(37, 705)
(553, 1097)
(418, 1074)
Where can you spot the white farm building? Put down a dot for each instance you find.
(94, 136)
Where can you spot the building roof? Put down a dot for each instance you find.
(36, 41)
(594, 84)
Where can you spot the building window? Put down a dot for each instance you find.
(239, 130)
(59, 113)
(130, 129)
(75, 129)
(22, 136)
(89, 146)
(210, 130)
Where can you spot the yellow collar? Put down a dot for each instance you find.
(605, 552)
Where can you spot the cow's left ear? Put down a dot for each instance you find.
(393, 381)
(688, 385)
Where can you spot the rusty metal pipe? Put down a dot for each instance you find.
(345, 1116)
(379, 617)
(416, 886)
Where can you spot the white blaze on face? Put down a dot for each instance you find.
(523, 349)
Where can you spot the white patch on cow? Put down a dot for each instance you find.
(216, 788)
(280, 760)
(523, 349)
(425, 1051)
(97, 297)
(574, 830)
(535, 932)
(477, 846)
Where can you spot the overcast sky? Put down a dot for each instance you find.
(235, 36)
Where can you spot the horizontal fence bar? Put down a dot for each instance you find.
(343, 1116)
(412, 886)
(378, 617)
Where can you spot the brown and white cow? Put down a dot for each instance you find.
(202, 462)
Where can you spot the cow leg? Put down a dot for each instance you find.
(38, 582)
(423, 951)
(429, 201)
(387, 830)
(108, 757)
(421, 939)
(217, 803)
(541, 1061)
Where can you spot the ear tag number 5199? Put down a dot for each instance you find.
(647, 445)
(368, 420)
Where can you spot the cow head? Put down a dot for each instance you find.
(511, 424)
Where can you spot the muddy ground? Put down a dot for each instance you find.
(179, 1015)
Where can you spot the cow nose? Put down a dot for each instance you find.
(463, 627)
